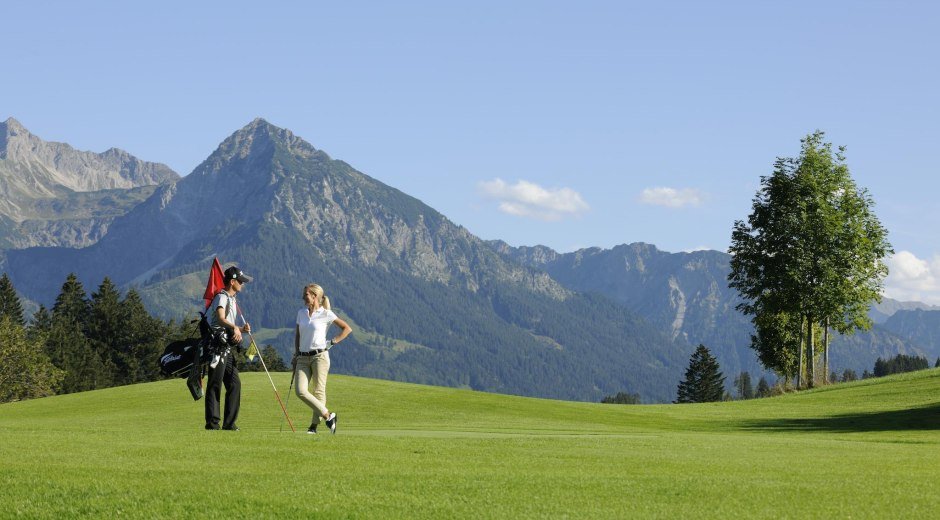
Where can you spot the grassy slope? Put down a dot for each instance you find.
(865, 449)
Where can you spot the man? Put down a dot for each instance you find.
(224, 314)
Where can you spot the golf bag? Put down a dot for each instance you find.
(189, 357)
(179, 356)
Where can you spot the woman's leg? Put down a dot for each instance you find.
(321, 368)
(301, 384)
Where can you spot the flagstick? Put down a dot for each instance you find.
(272, 384)
(263, 364)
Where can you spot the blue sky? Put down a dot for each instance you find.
(557, 123)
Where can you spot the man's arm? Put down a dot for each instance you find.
(236, 332)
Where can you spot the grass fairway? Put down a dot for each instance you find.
(862, 450)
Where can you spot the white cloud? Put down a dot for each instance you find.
(527, 199)
(913, 279)
(671, 197)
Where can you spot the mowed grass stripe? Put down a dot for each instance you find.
(861, 450)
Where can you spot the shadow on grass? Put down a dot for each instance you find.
(921, 418)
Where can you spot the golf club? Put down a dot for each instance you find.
(293, 374)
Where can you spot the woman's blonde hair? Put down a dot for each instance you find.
(318, 294)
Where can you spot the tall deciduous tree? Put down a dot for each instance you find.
(812, 252)
(26, 371)
(776, 340)
(703, 381)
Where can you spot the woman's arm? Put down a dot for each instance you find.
(296, 339)
(347, 330)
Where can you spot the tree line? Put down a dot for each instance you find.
(86, 343)
(704, 381)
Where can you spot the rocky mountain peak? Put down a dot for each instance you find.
(10, 130)
(44, 166)
(52, 194)
(251, 149)
(260, 133)
(258, 129)
(12, 126)
(534, 256)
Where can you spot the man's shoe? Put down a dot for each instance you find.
(232, 428)
(213, 427)
(331, 422)
(312, 429)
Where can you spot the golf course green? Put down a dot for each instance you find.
(868, 449)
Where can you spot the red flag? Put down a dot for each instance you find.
(215, 284)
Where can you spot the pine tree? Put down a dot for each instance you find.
(40, 326)
(70, 351)
(763, 387)
(9, 302)
(143, 338)
(742, 384)
(72, 302)
(899, 364)
(272, 359)
(26, 371)
(105, 331)
(621, 398)
(42, 319)
(703, 380)
(67, 345)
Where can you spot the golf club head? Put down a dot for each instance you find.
(194, 382)
(195, 388)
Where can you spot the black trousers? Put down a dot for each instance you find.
(227, 374)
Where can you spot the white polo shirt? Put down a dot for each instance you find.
(313, 328)
(229, 303)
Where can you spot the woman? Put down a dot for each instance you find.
(311, 357)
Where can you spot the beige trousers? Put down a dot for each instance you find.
(312, 372)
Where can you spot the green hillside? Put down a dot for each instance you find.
(861, 450)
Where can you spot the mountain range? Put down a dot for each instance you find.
(687, 295)
(430, 302)
(54, 195)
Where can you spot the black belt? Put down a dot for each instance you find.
(311, 353)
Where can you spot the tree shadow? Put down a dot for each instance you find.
(921, 418)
